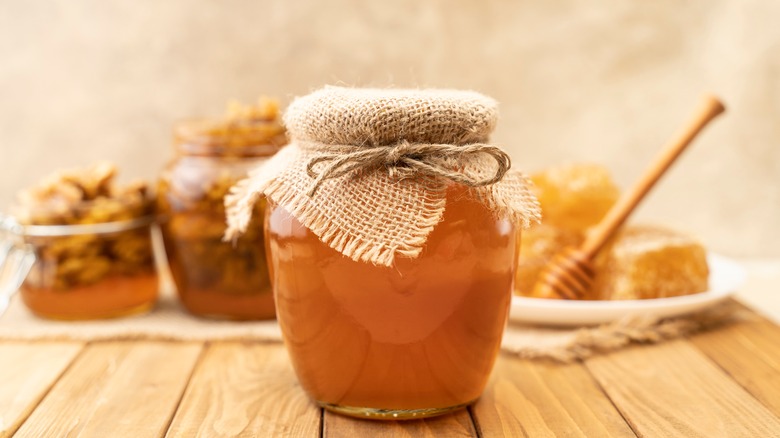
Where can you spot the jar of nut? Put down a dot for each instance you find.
(92, 245)
(217, 279)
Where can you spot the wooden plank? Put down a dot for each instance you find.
(457, 424)
(116, 389)
(672, 389)
(750, 352)
(544, 399)
(27, 371)
(244, 389)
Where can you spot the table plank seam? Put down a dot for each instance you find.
(612, 402)
(203, 347)
(734, 379)
(54, 382)
(474, 425)
(322, 422)
(673, 388)
(729, 353)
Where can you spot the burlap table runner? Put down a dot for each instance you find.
(168, 321)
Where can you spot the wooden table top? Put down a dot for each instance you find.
(725, 382)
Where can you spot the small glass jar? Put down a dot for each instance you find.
(413, 340)
(90, 270)
(216, 279)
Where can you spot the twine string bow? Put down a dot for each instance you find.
(407, 160)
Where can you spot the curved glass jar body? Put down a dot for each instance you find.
(90, 271)
(216, 279)
(413, 340)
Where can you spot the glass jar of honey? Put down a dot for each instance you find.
(92, 246)
(412, 340)
(391, 233)
(213, 278)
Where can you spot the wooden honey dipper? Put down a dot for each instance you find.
(570, 274)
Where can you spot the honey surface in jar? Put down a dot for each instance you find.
(422, 334)
(127, 296)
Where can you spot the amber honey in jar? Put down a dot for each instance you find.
(92, 244)
(391, 235)
(215, 278)
(417, 338)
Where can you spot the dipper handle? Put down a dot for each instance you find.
(709, 108)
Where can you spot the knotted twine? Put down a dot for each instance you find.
(367, 170)
(406, 160)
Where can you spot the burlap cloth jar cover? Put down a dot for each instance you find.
(367, 169)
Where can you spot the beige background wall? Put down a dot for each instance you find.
(605, 81)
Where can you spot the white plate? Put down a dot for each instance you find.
(726, 276)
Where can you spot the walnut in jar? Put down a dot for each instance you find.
(215, 278)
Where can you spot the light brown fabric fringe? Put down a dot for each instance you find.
(566, 345)
(371, 211)
(168, 321)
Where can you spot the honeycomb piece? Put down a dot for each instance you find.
(538, 245)
(650, 262)
(575, 196)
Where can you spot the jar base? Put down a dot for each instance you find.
(132, 311)
(391, 414)
(229, 317)
(223, 306)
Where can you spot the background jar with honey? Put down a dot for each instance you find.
(215, 278)
(92, 245)
(91, 271)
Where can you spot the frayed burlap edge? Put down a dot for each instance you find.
(284, 181)
(632, 329)
(512, 198)
(242, 197)
(359, 248)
